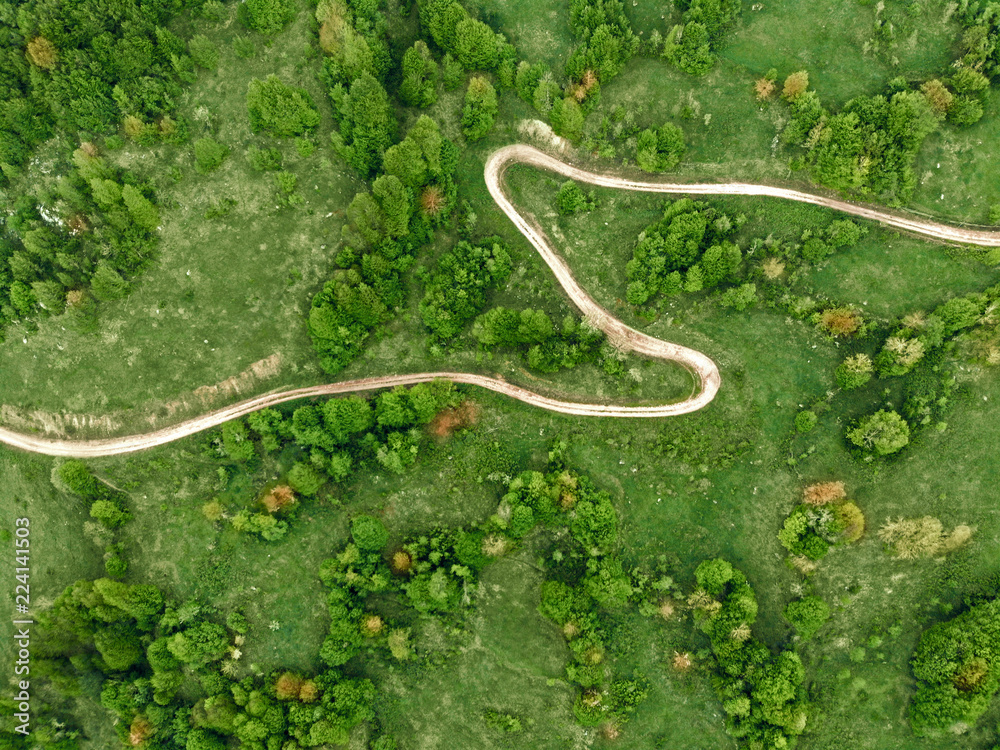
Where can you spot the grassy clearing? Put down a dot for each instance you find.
(224, 293)
(723, 492)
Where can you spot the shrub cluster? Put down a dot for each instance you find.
(957, 669)
(824, 519)
(690, 238)
(762, 695)
(168, 674)
(387, 225)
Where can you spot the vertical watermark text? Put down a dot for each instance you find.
(22, 625)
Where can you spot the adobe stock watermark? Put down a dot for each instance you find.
(22, 626)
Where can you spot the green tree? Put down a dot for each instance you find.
(107, 284)
(109, 513)
(209, 155)
(451, 72)
(199, 644)
(78, 478)
(883, 432)
(854, 372)
(267, 16)
(475, 45)
(279, 109)
(688, 47)
(571, 199)
(660, 149)
(119, 645)
(201, 739)
(420, 75)
(304, 479)
(369, 533)
(394, 201)
(480, 108)
(142, 211)
(807, 615)
(367, 125)
(713, 575)
(236, 441)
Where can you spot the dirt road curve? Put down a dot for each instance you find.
(701, 366)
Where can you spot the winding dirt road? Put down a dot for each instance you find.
(701, 366)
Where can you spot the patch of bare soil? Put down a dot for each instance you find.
(450, 421)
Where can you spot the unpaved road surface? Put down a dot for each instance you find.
(702, 367)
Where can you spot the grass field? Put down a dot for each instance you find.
(689, 507)
(232, 291)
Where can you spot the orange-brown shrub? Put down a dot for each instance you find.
(432, 200)
(279, 498)
(288, 686)
(840, 321)
(822, 493)
(763, 88)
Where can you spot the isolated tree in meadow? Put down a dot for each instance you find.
(480, 108)
(570, 199)
(795, 85)
(882, 433)
(209, 155)
(267, 16)
(660, 149)
(279, 109)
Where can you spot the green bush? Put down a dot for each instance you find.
(204, 53)
(267, 16)
(304, 479)
(805, 421)
(807, 615)
(209, 155)
(279, 109)
(660, 149)
(369, 533)
(881, 433)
